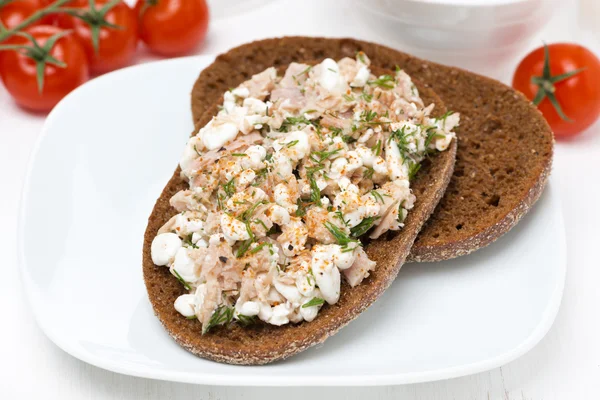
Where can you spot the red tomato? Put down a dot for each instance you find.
(16, 11)
(116, 46)
(172, 27)
(18, 71)
(578, 96)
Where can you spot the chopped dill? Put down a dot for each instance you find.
(366, 97)
(377, 148)
(340, 236)
(229, 187)
(223, 315)
(378, 197)
(363, 227)
(413, 168)
(180, 279)
(315, 301)
(384, 81)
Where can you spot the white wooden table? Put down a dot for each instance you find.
(566, 364)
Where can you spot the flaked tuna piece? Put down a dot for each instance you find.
(212, 223)
(388, 221)
(211, 299)
(348, 68)
(243, 141)
(295, 75)
(261, 84)
(260, 224)
(333, 122)
(213, 156)
(359, 269)
(169, 226)
(331, 103)
(208, 184)
(407, 89)
(289, 99)
(315, 221)
(247, 289)
(231, 268)
(184, 201)
(394, 196)
(293, 237)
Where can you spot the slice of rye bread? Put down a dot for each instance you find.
(262, 343)
(505, 146)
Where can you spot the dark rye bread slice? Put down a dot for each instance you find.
(262, 343)
(504, 144)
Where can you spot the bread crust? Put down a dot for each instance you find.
(486, 197)
(263, 343)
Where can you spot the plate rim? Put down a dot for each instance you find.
(251, 380)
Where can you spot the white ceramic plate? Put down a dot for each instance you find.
(103, 157)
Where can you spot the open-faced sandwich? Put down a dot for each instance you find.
(294, 206)
(308, 180)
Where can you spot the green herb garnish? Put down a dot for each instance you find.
(229, 187)
(444, 117)
(339, 235)
(361, 57)
(377, 196)
(348, 139)
(377, 148)
(221, 316)
(243, 248)
(188, 240)
(246, 320)
(413, 168)
(315, 301)
(260, 247)
(246, 215)
(180, 279)
(366, 97)
(401, 138)
(368, 115)
(384, 81)
(315, 192)
(363, 227)
(339, 215)
(291, 121)
(305, 71)
(323, 155)
(301, 210)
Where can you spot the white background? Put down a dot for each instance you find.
(566, 364)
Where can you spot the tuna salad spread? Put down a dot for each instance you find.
(285, 180)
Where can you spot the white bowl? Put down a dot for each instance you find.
(480, 35)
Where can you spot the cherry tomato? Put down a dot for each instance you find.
(172, 27)
(116, 46)
(19, 72)
(16, 11)
(575, 92)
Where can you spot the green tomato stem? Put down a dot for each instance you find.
(545, 84)
(36, 16)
